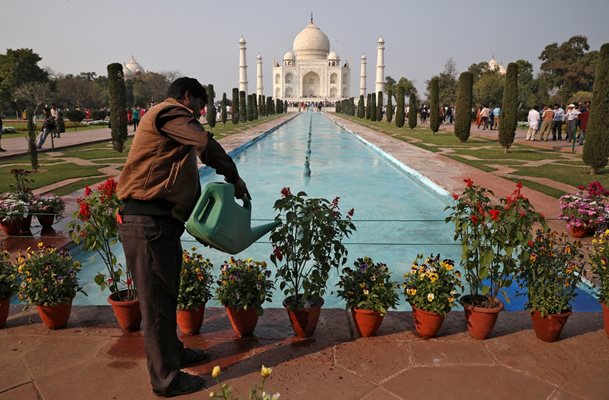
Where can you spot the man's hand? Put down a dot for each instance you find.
(241, 190)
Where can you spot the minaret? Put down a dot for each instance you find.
(242, 66)
(259, 88)
(380, 65)
(362, 76)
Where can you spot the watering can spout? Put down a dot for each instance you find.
(261, 230)
(220, 222)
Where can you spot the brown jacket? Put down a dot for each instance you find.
(162, 162)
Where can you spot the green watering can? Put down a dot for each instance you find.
(220, 222)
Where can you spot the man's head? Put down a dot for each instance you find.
(189, 92)
(53, 106)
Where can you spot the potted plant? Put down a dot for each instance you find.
(585, 210)
(243, 287)
(550, 275)
(599, 260)
(13, 211)
(431, 290)
(195, 290)
(95, 228)
(7, 285)
(492, 235)
(49, 280)
(46, 208)
(306, 246)
(21, 190)
(369, 292)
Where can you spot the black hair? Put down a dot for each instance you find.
(180, 86)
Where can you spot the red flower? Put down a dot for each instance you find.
(455, 196)
(469, 182)
(530, 243)
(519, 185)
(494, 214)
(108, 188)
(87, 191)
(335, 202)
(110, 280)
(84, 213)
(129, 281)
(285, 192)
(351, 212)
(522, 213)
(277, 253)
(474, 218)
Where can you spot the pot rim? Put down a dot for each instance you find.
(562, 315)
(112, 298)
(471, 307)
(319, 302)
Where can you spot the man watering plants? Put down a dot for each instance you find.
(159, 186)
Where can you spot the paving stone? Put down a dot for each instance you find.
(373, 362)
(467, 382)
(589, 380)
(565, 395)
(437, 353)
(24, 392)
(56, 353)
(13, 371)
(524, 352)
(380, 394)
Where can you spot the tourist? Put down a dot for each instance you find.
(559, 115)
(533, 120)
(484, 117)
(55, 114)
(1, 131)
(48, 126)
(159, 186)
(129, 116)
(491, 118)
(135, 117)
(547, 116)
(572, 117)
(496, 113)
(583, 121)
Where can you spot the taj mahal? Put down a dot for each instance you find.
(310, 71)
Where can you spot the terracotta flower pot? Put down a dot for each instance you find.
(127, 313)
(55, 317)
(304, 320)
(191, 319)
(427, 323)
(367, 322)
(4, 306)
(26, 223)
(549, 328)
(46, 221)
(243, 321)
(12, 227)
(580, 231)
(480, 320)
(606, 317)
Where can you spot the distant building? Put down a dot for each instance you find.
(132, 69)
(494, 65)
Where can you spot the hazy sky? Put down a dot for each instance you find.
(200, 38)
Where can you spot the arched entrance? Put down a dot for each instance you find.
(311, 85)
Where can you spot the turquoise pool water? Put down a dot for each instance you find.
(397, 215)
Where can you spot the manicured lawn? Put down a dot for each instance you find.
(486, 153)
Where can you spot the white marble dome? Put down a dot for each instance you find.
(132, 69)
(289, 56)
(333, 56)
(311, 43)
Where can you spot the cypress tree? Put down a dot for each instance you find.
(509, 111)
(255, 105)
(412, 110)
(278, 106)
(223, 104)
(434, 104)
(118, 105)
(379, 106)
(463, 119)
(285, 106)
(399, 112)
(373, 107)
(211, 107)
(339, 107)
(263, 105)
(269, 105)
(242, 107)
(250, 108)
(368, 99)
(235, 109)
(360, 107)
(596, 143)
(352, 106)
(389, 110)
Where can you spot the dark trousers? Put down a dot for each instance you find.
(153, 253)
(135, 124)
(556, 129)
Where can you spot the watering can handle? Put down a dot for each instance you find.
(247, 203)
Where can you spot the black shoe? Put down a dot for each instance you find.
(2, 150)
(193, 356)
(182, 384)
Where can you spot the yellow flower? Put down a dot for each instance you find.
(433, 277)
(215, 373)
(29, 280)
(411, 292)
(451, 299)
(447, 266)
(430, 297)
(212, 395)
(265, 372)
(40, 245)
(366, 292)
